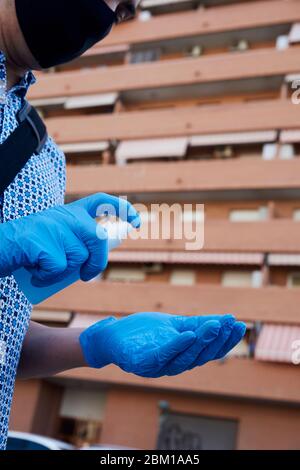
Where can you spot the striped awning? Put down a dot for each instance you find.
(151, 148)
(284, 260)
(233, 138)
(278, 343)
(290, 136)
(186, 257)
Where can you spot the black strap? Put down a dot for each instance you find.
(27, 139)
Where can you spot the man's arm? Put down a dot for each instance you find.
(47, 351)
(149, 344)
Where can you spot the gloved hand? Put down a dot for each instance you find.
(54, 243)
(157, 344)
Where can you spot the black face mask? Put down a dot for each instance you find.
(57, 31)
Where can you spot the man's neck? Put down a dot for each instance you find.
(13, 76)
(13, 45)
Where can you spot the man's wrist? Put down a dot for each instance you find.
(92, 344)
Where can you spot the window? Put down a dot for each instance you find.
(126, 275)
(181, 277)
(83, 404)
(286, 152)
(293, 280)
(240, 46)
(240, 350)
(282, 42)
(153, 268)
(248, 215)
(145, 56)
(296, 215)
(269, 151)
(294, 36)
(242, 279)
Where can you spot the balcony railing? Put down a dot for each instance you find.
(157, 75)
(240, 378)
(187, 121)
(266, 304)
(205, 22)
(203, 177)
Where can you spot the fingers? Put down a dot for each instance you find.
(238, 332)
(60, 262)
(50, 267)
(211, 351)
(97, 247)
(177, 345)
(205, 335)
(106, 204)
(192, 323)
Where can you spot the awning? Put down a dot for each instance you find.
(84, 147)
(294, 36)
(233, 138)
(151, 148)
(292, 77)
(90, 101)
(50, 316)
(284, 260)
(82, 320)
(186, 257)
(44, 102)
(277, 343)
(290, 136)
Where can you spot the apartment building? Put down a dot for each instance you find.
(193, 102)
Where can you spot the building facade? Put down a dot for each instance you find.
(195, 102)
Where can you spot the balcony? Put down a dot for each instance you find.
(240, 378)
(188, 121)
(266, 63)
(270, 236)
(249, 174)
(266, 304)
(204, 22)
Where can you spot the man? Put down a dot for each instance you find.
(52, 240)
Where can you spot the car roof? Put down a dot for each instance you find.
(52, 444)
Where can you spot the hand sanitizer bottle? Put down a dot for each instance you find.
(117, 232)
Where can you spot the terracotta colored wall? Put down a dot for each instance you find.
(35, 407)
(24, 404)
(45, 420)
(132, 416)
(131, 419)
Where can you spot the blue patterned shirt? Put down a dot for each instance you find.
(40, 185)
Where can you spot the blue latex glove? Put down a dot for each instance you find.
(156, 344)
(55, 243)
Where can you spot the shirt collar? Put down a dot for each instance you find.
(23, 84)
